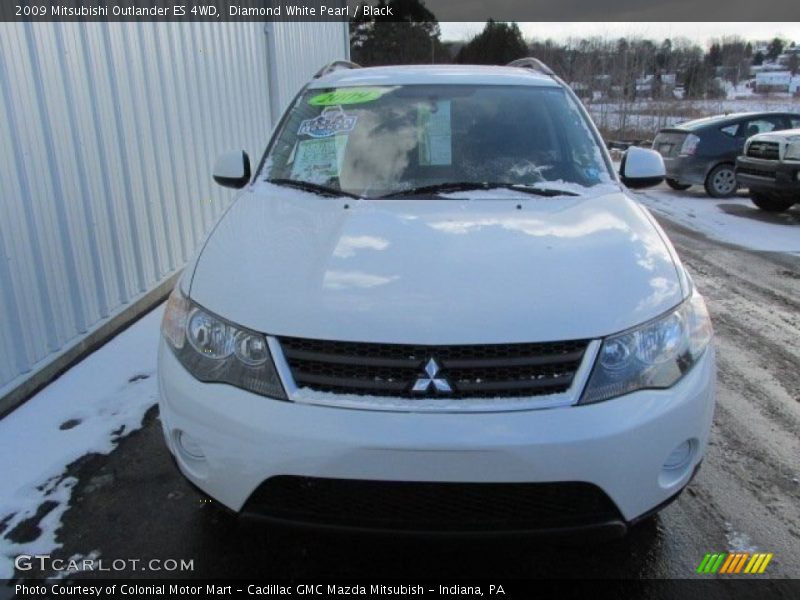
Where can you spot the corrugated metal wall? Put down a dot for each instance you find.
(288, 41)
(108, 133)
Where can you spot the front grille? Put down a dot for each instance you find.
(429, 506)
(765, 150)
(471, 371)
(756, 172)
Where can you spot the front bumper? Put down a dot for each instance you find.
(770, 175)
(619, 446)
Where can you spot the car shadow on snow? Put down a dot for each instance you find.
(790, 217)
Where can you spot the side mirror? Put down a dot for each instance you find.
(232, 169)
(641, 168)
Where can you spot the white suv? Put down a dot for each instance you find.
(770, 168)
(435, 307)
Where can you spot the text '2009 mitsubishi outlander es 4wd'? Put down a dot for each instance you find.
(435, 307)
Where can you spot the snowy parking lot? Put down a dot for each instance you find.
(732, 220)
(86, 473)
(83, 413)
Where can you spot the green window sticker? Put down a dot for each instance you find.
(354, 95)
(319, 160)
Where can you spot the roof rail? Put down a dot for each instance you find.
(336, 65)
(532, 63)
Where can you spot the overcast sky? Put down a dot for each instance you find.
(699, 32)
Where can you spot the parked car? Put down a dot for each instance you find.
(435, 306)
(703, 151)
(770, 169)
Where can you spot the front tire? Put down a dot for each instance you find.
(771, 203)
(721, 182)
(681, 187)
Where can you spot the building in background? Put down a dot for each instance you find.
(110, 131)
(777, 81)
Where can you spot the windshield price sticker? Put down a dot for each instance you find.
(319, 161)
(330, 121)
(435, 134)
(348, 96)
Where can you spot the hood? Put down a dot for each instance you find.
(448, 271)
(777, 136)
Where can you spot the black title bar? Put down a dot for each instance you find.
(607, 11)
(707, 589)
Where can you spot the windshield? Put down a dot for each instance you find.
(381, 141)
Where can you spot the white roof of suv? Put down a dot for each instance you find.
(433, 74)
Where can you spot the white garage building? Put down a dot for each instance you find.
(109, 132)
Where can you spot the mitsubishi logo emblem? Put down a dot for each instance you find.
(423, 384)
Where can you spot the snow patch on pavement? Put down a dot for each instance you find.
(737, 541)
(84, 411)
(733, 220)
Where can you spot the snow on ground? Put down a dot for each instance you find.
(733, 220)
(84, 411)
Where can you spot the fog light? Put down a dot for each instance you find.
(797, 176)
(680, 456)
(189, 446)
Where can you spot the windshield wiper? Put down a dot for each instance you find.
(465, 186)
(316, 188)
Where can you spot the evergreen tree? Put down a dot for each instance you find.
(775, 48)
(409, 36)
(497, 44)
(696, 79)
(714, 56)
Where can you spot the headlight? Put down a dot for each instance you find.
(792, 151)
(216, 351)
(654, 355)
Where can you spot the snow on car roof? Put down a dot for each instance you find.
(433, 74)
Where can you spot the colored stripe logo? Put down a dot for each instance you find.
(734, 563)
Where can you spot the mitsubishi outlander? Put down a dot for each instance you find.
(434, 306)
